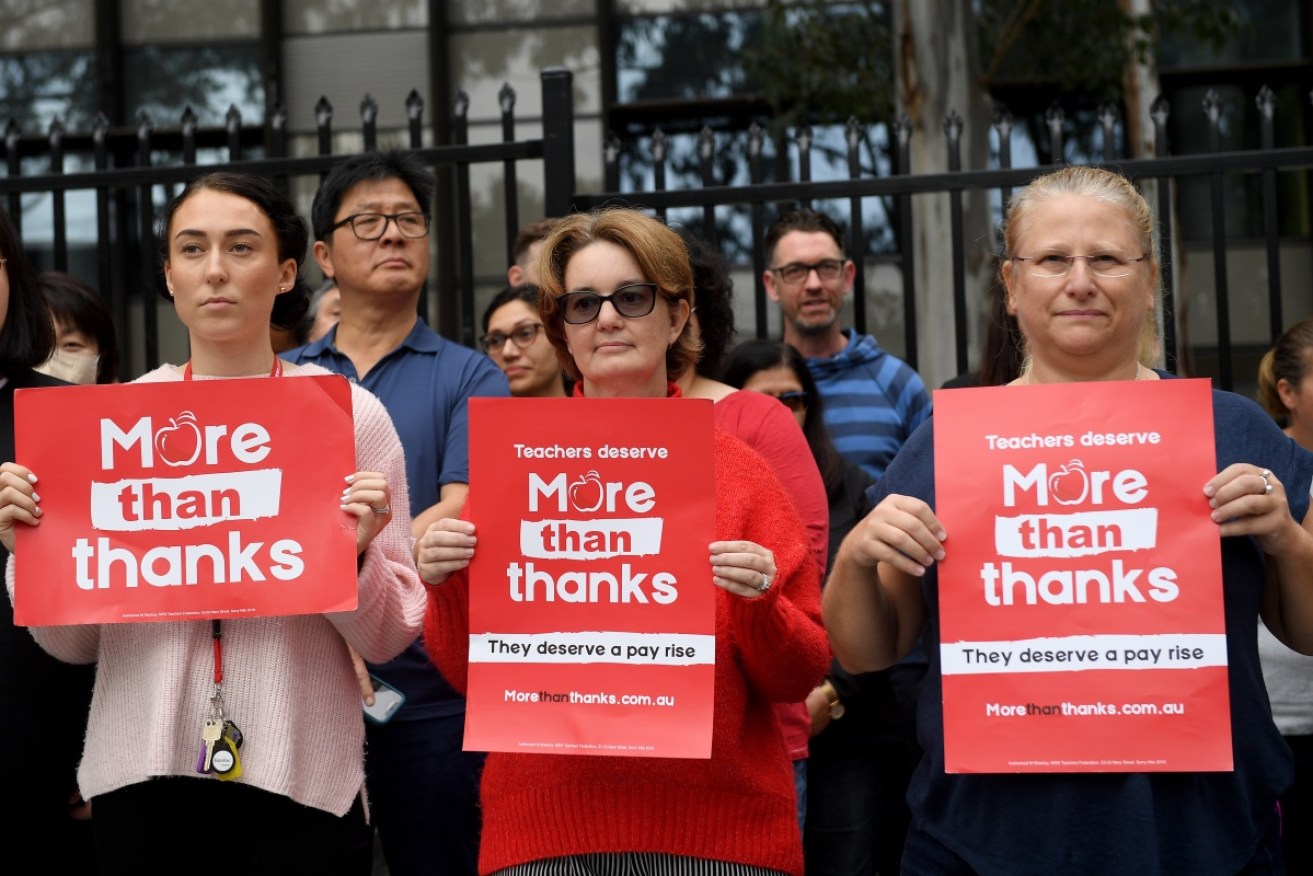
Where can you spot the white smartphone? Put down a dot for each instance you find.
(387, 699)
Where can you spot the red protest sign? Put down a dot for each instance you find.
(592, 611)
(1080, 603)
(185, 501)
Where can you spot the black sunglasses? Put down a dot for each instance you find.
(632, 302)
(795, 399)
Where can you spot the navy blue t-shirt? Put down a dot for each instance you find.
(425, 384)
(1141, 823)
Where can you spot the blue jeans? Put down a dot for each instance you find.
(424, 796)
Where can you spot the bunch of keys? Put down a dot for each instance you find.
(220, 741)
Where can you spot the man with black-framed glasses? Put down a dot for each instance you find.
(873, 399)
(371, 224)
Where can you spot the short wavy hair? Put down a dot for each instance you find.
(661, 256)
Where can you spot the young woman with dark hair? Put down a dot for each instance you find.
(232, 247)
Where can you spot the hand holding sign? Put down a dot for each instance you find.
(369, 499)
(743, 568)
(901, 531)
(18, 501)
(1248, 500)
(446, 547)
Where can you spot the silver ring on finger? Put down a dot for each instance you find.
(384, 510)
(1267, 484)
(763, 585)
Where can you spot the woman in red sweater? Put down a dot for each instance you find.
(616, 294)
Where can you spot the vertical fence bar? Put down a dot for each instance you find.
(464, 297)
(611, 163)
(104, 248)
(13, 134)
(369, 122)
(856, 231)
(804, 140)
(145, 225)
(58, 197)
(659, 166)
(278, 132)
(278, 144)
(706, 154)
(906, 244)
(1003, 129)
(953, 130)
(324, 129)
(1108, 124)
(415, 119)
(233, 121)
(188, 136)
(511, 187)
(558, 140)
(1212, 105)
(415, 127)
(1159, 111)
(1267, 101)
(756, 140)
(1054, 118)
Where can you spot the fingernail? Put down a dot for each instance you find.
(36, 497)
(1209, 489)
(939, 554)
(350, 479)
(941, 535)
(31, 478)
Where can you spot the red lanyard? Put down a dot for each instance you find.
(276, 371)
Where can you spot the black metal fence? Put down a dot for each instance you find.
(133, 172)
(127, 172)
(901, 187)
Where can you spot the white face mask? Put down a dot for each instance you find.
(71, 367)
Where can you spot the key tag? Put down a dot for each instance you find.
(226, 762)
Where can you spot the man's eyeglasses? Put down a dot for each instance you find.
(1104, 264)
(795, 399)
(522, 336)
(372, 226)
(828, 270)
(632, 302)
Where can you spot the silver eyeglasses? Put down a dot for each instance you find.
(1104, 264)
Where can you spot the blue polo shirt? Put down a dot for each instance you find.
(425, 384)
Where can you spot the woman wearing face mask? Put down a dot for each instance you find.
(43, 702)
(86, 345)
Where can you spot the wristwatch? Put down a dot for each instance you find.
(832, 698)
